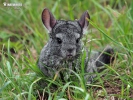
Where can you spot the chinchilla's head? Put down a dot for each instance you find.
(65, 36)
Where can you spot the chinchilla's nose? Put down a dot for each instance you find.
(70, 50)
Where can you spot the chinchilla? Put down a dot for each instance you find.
(65, 46)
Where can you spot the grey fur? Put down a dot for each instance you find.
(56, 55)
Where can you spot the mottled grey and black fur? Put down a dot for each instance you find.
(65, 47)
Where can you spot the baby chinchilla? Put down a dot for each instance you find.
(64, 46)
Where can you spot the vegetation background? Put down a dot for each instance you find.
(22, 36)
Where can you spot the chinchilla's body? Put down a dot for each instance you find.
(65, 48)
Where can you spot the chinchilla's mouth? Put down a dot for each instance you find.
(69, 57)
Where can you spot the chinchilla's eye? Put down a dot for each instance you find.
(77, 41)
(59, 40)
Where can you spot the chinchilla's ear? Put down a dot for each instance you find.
(83, 21)
(48, 19)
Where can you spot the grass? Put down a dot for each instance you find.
(22, 36)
